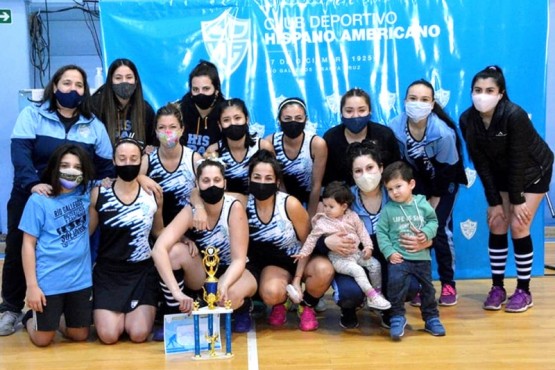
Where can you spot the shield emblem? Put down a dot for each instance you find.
(257, 128)
(468, 228)
(470, 176)
(332, 102)
(387, 100)
(226, 40)
(442, 97)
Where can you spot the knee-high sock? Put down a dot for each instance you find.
(498, 249)
(524, 254)
(168, 297)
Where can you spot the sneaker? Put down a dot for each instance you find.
(307, 317)
(321, 306)
(8, 320)
(448, 295)
(376, 300)
(520, 301)
(348, 319)
(496, 297)
(397, 327)
(158, 334)
(416, 301)
(434, 327)
(241, 322)
(385, 320)
(278, 316)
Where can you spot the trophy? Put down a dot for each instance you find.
(210, 261)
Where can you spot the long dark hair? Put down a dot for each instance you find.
(84, 108)
(236, 102)
(109, 105)
(366, 147)
(205, 68)
(496, 73)
(51, 174)
(438, 110)
(265, 156)
(356, 92)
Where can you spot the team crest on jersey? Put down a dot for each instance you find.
(387, 100)
(468, 228)
(332, 102)
(470, 176)
(84, 130)
(442, 97)
(226, 39)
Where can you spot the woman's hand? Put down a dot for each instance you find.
(341, 244)
(148, 149)
(107, 182)
(42, 189)
(191, 246)
(494, 213)
(200, 218)
(35, 298)
(366, 253)
(522, 214)
(150, 186)
(395, 258)
(414, 243)
(223, 293)
(185, 302)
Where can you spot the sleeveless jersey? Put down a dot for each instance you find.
(237, 173)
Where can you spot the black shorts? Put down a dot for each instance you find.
(123, 287)
(75, 306)
(540, 186)
(256, 267)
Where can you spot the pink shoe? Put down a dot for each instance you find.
(278, 316)
(307, 317)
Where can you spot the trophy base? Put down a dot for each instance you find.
(216, 356)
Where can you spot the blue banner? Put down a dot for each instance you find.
(318, 49)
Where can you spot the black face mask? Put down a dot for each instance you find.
(204, 101)
(235, 132)
(212, 195)
(292, 129)
(128, 172)
(124, 90)
(262, 191)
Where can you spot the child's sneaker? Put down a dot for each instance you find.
(520, 301)
(397, 327)
(376, 300)
(307, 317)
(416, 301)
(448, 295)
(497, 296)
(434, 327)
(278, 316)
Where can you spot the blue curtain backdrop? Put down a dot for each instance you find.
(318, 49)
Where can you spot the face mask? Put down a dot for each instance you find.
(417, 110)
(124, 90)
(128, 172)
(262, 191)
(355, 124)
(235, 132)
(204, 101)
(368, 181)
(292, 129)
(485, 102)
(70, 178)
(212, 195)
(168, 138)
(68, 100)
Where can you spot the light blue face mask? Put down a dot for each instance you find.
(355, 124)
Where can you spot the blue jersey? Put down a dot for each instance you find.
(124, 228)
(297, 172)
(61, 226)
(176, 185)
(218, 237)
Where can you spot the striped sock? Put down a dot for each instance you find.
(524, 255)
(498, 250)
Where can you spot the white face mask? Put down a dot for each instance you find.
(485, 102)
(368, 181)
(418, 110)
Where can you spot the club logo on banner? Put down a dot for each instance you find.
(227, 40)
(468, 228)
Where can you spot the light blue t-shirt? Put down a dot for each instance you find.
(61, 226)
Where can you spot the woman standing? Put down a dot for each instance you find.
(63, 116)
(125, 283)
(278, 225)
(227, 231)
(120, 105)
(197, 107)
(515, 166)
(238, 145)
(355, 127)
(430, 145)
(302, 155)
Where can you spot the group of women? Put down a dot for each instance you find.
(253, 198)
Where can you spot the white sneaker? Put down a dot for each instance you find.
(8, 320)
(378, 301)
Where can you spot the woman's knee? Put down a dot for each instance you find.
(42, 339)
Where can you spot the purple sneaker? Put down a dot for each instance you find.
(496, 297)
(520, 301)
(448, 295)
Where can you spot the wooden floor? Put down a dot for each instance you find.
(475, 339)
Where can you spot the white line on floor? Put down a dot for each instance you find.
(252, 348)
